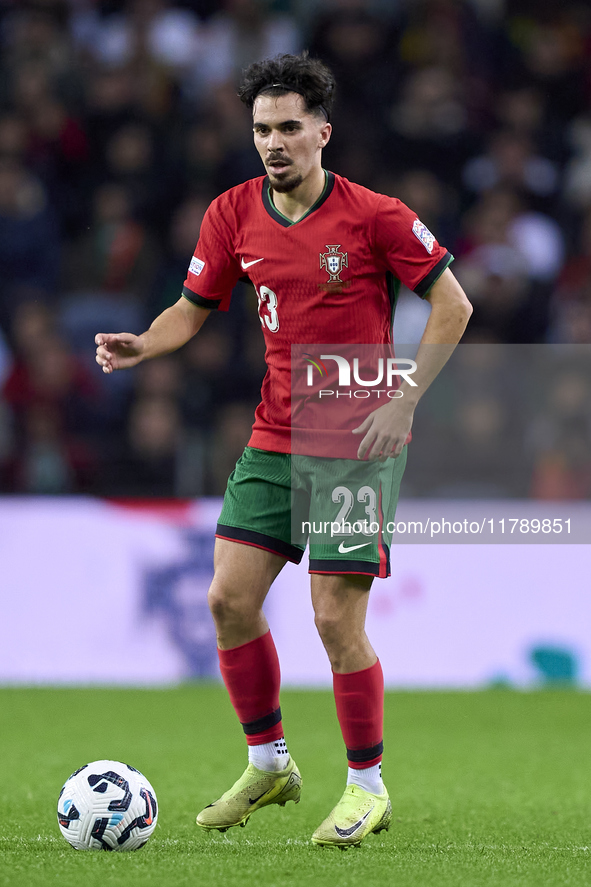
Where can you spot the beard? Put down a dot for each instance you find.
(286, 183)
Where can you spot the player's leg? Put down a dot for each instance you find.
(242, 578)
(250, 670)
(248, 659)
(340, 605)
(252, 546)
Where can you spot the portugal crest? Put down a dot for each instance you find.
(334, 261)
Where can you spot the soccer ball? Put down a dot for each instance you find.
(107, 805)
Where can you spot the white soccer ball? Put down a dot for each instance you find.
(107, 805)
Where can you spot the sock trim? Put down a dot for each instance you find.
(364, 755)
(262, 724)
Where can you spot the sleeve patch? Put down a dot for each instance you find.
(197, 266)
(424, 235)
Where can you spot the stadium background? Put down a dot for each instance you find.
(118, 124)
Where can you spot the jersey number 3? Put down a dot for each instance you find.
(268, 300)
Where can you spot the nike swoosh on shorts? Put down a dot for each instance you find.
(343, 550)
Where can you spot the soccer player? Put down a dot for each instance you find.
(325, 256)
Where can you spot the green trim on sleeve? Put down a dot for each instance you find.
(200, 301)
(433, 276)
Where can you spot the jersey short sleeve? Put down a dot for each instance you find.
(407, 246)
(214, 270)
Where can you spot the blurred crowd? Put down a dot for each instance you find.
(119, 123)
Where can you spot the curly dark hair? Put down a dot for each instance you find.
(309, 77)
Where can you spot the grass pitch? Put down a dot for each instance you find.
(490, 788)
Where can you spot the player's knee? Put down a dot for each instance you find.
(330, 628)
(226, 606)
(223, 608)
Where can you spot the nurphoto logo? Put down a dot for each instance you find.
(387, 371)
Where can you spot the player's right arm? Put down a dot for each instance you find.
(171, 329)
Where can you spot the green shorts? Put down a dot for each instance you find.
(340, 507)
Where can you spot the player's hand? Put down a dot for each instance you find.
(118, 351)
(385, 431)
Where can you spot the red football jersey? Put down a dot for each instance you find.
(332, 277)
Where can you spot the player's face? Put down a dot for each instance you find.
(289, 139)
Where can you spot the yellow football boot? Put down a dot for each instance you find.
(358, 814)
(255, 789)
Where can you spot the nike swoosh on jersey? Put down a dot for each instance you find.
(246, 265)
(343, 550)
(347, 832)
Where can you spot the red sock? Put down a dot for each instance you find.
(252, 678)
(359, 697)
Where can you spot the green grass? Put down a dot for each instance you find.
(490, 788)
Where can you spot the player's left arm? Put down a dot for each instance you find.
(386, 429)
